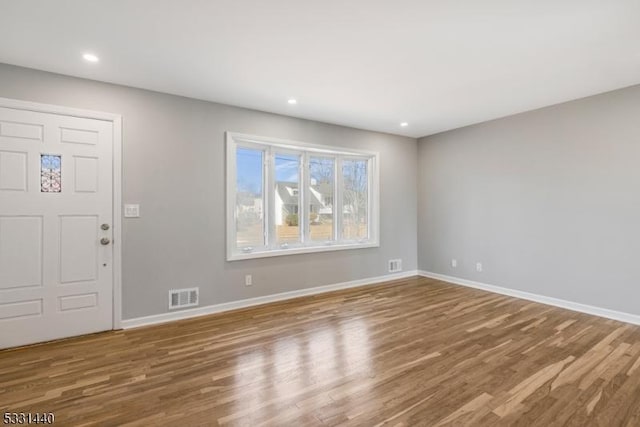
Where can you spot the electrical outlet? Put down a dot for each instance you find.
(248, 280)
(478, 267)
(454, 263)
(395, 265)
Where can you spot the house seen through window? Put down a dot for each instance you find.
(289, 197)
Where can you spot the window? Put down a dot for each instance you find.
(355, 207)
(287, 197)
(321, 188)
(249, 201)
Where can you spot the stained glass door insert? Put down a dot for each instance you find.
(50, 173)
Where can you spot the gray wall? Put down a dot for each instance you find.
(174, 167)
(548, 201)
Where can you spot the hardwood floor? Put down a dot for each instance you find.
(410, 352)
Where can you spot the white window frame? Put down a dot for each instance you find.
(269, 146)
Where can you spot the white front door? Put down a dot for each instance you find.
(56, 206)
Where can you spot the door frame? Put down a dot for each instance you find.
(116, 120)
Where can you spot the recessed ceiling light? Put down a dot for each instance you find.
(292, 101)
(404, 124)
(90, 57)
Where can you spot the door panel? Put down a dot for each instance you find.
(77, 302)
(79, 136)
(16, 310)
(78, 249)
(13, 170)
(56, 278)
(21, 130)
(20, 265)
(86, 174)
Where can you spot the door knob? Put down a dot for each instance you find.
(105, 227)
(105, 241)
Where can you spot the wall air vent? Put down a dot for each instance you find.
(181, 298)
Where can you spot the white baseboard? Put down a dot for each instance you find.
(234, 305)
(569, 305)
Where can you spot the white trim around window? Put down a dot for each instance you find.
(255, 224)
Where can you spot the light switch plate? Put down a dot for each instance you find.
(131, 211)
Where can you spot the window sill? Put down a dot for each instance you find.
(300, 250)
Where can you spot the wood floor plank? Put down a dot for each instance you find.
(410, 352)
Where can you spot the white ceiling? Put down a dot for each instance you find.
(364, 63)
